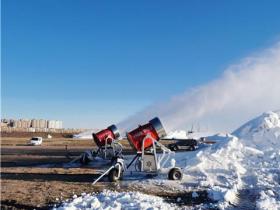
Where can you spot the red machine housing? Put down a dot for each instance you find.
(136, 136)
(110, 134)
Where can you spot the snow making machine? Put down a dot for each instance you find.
(150, 155)
(107, 141)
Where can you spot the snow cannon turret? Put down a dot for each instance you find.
(106, 136)
(109, 148)
(151, 131)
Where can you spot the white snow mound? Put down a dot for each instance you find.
(178, 134)
(116, 200)
(248, 161)
(263, 123)
(181, 134)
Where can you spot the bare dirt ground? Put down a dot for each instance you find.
(33, 177)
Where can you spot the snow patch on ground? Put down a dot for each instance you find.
(116, 200)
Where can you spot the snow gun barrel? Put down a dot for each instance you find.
(154, 129)
(106, 136)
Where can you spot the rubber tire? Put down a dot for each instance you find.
(192, 148)
(85, 160)
(170, 147)
(113, 175)
(175, 174)
(175, 148)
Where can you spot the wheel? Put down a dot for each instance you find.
(94, 153)
(175, 148)
(175, 174)
(192, 148)
(85, 159)
(114, 175)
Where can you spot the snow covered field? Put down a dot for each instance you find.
(242, 169)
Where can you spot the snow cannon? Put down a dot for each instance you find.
(108, 146)
(150, 132)
(106, 136)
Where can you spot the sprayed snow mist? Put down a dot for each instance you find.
(244, 90)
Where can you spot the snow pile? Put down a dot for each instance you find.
(181, 134)
(264, 122)
(177, 134)
(261, 132)
(218, 167)
(244, 169)
(84, 135)
(116, 200)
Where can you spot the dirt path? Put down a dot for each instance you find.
(41, 188)
(40, 193)
(44, 190)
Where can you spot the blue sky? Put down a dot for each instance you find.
(93, 63)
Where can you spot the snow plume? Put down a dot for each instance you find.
(244, 89)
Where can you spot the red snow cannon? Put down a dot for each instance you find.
(152, 130)
(106, 136)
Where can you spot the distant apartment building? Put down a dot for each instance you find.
(34, 123)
